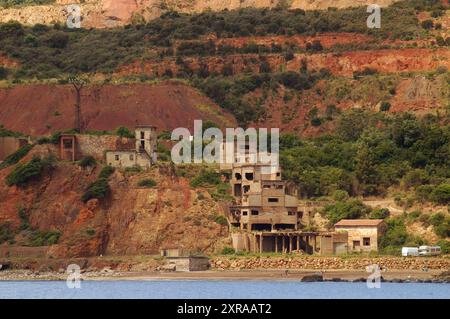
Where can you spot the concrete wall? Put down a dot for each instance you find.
(9, 145)
(127, 159)
(356, 234)
(95, 145)
(23, 252)
(186, 264)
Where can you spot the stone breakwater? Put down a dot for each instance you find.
(357, 263)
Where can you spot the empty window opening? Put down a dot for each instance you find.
(278, 174)
(266, 186)
(284, 226)
(238, 176)
(273, 200)
(142, 144)
(142, 135)
(366, 241)
(67, 143)
(245, 213)
(262, 227)
(246, 188)
(255, 212)
(117, 157)
(249, 176)
(237, 190)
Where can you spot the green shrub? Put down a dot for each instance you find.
(445, 246)
(206, 178)
(340, 195)
(123, 131)
(98, 189)
(147, 183)
(441, 194)
(87, 161)
(3, 73)
(24, 173)
(427, 24)
(221, 220)
(396, 234)
(385, 106)
(38, 238)
(90, 232)
(24, 222)
(106, 172)
(227, 251)
(16, 156)
(351, 209)
(415, 215)
(6, 232)
(381, 213)
(133, 170)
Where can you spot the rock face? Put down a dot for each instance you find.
(130, 221)
(110, 13)
(166, 105)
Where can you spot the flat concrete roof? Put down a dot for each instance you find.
(359, 222)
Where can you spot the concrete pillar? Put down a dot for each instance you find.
(298, 243)
(314, 243)
(290, 244)
(276, 244)
(260, 243)
(283, 244)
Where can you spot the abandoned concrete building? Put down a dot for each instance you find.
(117, 152)
(362, 234)
(142, 155)
(179, 259)
(265, 217)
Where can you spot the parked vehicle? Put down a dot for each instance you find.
(410, 251)
(429, 250)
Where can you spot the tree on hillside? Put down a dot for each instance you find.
(78, 84)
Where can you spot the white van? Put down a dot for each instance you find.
(429, 250)
(410, 251)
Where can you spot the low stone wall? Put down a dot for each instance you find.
(312, 262)
(23, 252)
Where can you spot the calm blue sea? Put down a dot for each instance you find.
(220, 290)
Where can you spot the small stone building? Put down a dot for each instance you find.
(363, 234)
(142, 155)
(333, 243)
(189, 263)
(9, 145)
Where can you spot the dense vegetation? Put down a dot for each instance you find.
(51, 52)
(16, 156)
(371, 152)
(22, 174)
(11, 3)
(100, 188)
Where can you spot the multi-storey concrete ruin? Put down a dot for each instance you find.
(264, 217)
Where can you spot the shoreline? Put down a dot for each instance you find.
(394, 276)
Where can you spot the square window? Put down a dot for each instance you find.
(366, 241)
(117, 157)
